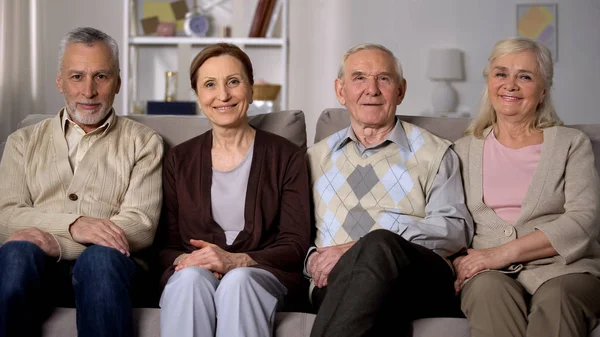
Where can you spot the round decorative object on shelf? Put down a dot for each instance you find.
(196, 24)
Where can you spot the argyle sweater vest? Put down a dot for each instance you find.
(354, 195)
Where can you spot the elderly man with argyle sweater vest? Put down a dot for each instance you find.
(389, 208)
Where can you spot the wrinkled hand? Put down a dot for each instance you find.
(322, 262)
(477, 260)
(86, 230)
(185, 255)
(214, 258)
(42, 239)
(459, 278)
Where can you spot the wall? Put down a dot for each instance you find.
(321, 30)
(60, 16)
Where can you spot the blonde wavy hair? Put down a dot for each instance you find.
(545, 112)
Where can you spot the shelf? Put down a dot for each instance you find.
(146, 58)
(204, 41)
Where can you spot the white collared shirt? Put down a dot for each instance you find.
(79, 142)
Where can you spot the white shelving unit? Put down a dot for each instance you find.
(176, 40)
(150, 52)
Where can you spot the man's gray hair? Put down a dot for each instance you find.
(370, 46)
(88, 36)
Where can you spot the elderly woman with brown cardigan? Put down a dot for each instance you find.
(533, 190)
(236, 212)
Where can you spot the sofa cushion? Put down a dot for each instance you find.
(333, 120)
(146, 323)
(62, 323)
(287, 324)
(430, 327)
(293, 324)
(177, 129)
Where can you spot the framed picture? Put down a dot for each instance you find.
(539, 22)
(149, 14)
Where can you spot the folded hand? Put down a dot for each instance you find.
(478, 260)
(87, 230)
(321, 263)
(42, 239)
(211, 257)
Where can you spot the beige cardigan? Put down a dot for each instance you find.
(563, 201)
(118, 179)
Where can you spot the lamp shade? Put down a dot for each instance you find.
(445, 64)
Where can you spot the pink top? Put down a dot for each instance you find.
(507, 174)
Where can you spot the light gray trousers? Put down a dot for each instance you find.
(243, 303)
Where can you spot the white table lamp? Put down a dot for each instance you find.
(444, 66)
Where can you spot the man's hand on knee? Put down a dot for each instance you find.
(87, 230)
(42, 239)
(321, 263)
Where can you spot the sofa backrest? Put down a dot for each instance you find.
(177, 129)
(333, 120)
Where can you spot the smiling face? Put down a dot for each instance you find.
(370, 88)
(224, 92)
(89, 81)
(515, 86)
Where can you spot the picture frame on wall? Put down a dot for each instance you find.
(539, 22)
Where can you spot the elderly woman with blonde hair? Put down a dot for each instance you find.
(534, 193)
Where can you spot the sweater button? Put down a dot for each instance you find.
(73, 197)
(508, 231)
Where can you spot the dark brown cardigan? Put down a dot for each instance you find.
(277, 216)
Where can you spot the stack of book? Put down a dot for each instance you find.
(265, 18)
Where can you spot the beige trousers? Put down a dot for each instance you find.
(497, 305)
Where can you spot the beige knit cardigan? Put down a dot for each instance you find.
(563, 201)
(118, 179)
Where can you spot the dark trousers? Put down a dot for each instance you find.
(98, 283)
(380, 285)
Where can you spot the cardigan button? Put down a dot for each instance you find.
(73, 197)
(508, 231)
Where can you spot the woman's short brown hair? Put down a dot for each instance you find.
(219, 49)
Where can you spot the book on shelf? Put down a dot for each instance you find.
(263, 16)
(259, 15)
(274, 17)
(267, 18)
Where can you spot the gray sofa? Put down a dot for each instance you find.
(290, 124)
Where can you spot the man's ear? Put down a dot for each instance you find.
(118, 85)
(59, 82)
(401, 92)
(339, 91)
